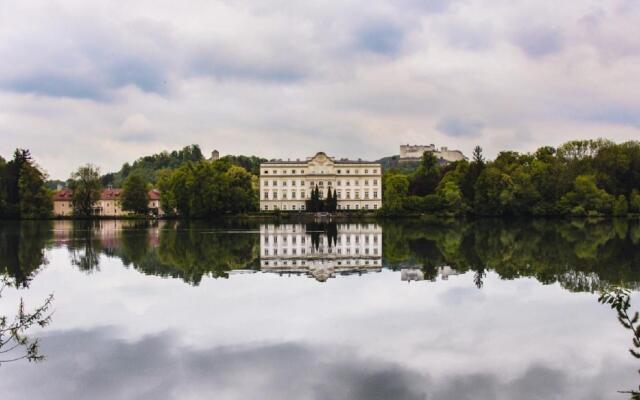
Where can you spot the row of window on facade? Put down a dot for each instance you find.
(330, 250)
(356, 239)
(303, 262)
(274, 195)
(321, 183)
(293, 207)
(301, 171)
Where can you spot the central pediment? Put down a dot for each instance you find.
(321, 159)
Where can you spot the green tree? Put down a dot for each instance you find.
(3, 185)
(86, 186)
(620, 207)
(587, 196)
(427, 176)
(314, 204)
(396, 189)
(148, 166)
(206, 189)
(470, 175)
(23, 189)
(634, 201)
(13, 170)
(328, 201)
(135, 196)
(452, 197)
(35, 198)
(493, 192)
(334, 201)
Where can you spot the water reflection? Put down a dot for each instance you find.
(580, 255)
(415, 274)
(321, 251)
(414, 326)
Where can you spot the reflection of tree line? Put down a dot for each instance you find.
(22, 249)
(173, 249)
(581, 256)
(183, 250)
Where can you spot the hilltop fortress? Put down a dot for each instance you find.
(444, 155)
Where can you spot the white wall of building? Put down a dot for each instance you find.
(286, 185)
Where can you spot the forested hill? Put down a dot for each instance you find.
(149, 166)
(393, 162)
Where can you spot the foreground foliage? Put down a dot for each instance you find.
(15, 342)
(619, 300)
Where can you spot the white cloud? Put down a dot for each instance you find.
(278, 79)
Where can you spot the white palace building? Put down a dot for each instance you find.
(285, 185)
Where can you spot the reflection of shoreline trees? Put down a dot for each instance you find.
(185, 250)
(581, 256)
(22, 245)
(195, 251)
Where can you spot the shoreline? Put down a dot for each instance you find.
(334, 217)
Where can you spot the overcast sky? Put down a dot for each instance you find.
(106, 82)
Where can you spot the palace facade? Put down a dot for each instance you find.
(286, 185)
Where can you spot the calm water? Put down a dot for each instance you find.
(451, 310)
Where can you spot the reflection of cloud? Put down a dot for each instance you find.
(93, 364)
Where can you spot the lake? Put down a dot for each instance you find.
(485, 309)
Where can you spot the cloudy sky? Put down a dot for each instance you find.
(106, 82)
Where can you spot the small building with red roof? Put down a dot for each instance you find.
(108, 205)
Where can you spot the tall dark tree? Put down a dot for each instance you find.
(426, 178)
(334, 201)
(35, 199)
(328, 201)
(478, 158)
(3, 194)
(23, 191)
(21, 158)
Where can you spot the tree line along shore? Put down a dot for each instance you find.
(581, 178)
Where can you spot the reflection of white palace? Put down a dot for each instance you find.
(290, 248)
